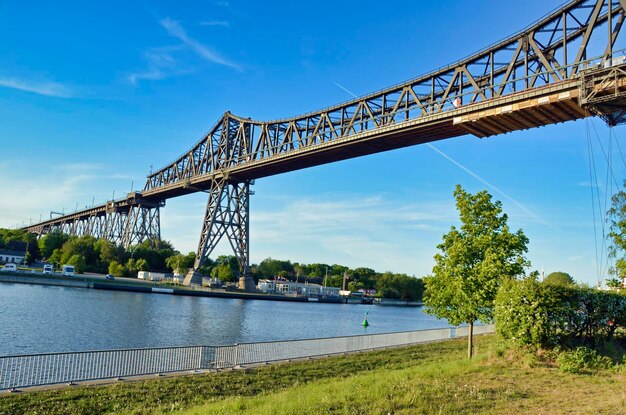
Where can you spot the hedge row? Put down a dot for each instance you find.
(540, 315)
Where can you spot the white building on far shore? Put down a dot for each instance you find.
(297, 288)
(14, 257)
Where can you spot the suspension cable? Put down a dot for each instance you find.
(618, 146)
(604, 262)
(606, 157)
(592, 182)
(607, 200)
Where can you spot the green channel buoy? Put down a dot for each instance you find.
(365, 323)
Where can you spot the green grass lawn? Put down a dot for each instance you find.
(434, 378)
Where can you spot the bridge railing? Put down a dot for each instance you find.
(57, 368)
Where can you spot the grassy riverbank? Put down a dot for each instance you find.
(433, 378)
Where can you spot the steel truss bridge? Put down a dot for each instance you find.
(566, 66)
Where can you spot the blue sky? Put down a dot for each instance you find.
(92, 96)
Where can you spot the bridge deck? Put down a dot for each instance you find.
(528, 109)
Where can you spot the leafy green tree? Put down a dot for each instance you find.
(226, 268)
(207, 267)
(51, 241)
(269, 268)
(32, 246)
(367, 276)
(334, 281)
(82, 246)
(78, 261)
(108, 251)
(559, 278)
(616, 217)
(117, 270)
(298, 269)
(224, 272)
(399, 286)
(130, 267)
(387, 286)
(155, 252)
(355, 286)
(613, 283)
(142, 265)
(19, 240)
(317, 270)
(180, 263)
(55, 258)
(473, 261)
(337, 269)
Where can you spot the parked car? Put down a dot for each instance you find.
(9, 267)
(109, 277)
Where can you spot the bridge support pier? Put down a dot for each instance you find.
(246, 283)
(227, 213)
(192, 277)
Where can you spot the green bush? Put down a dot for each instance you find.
(542, 315)
(526, 313)
(117, 270)
(581, 360)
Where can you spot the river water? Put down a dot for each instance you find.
(42, 319)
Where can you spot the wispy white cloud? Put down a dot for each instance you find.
(169, 61)
(54, 187)
(46, 88)
(574, 258)
(78, 167)
(355, 231)
(223, 23)
(316, 217)
(161, 64)
(152, 74)
(372, 231)
(588, 184)
(175, 29)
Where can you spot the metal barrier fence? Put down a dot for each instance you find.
(464, 330)
(51, 368)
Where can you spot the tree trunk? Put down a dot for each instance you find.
(470, 345)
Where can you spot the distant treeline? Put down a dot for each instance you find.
(387, 284)
(89, 254)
